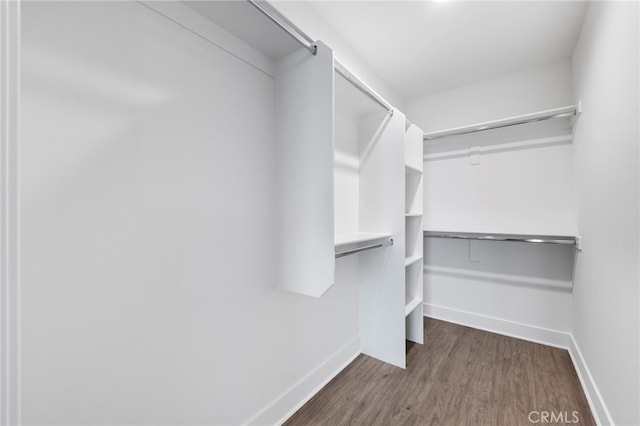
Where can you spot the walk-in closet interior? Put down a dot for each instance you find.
(319, 212)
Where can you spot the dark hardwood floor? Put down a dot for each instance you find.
(460, 376)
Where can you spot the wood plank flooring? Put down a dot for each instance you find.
(460, 376)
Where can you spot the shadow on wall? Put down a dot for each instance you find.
(545, 266)
(525, 136)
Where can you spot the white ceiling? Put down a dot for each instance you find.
(423, 47)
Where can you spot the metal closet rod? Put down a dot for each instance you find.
(288, 26)
(551, 114)
(359, 249)
(309, 44)
(361, 86)
(522, 238)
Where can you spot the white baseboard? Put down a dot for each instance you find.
(534, 334)
(518, 330)
(598, 407)
(279, 410)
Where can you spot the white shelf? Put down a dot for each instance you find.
(413, 247)
(412, 170)
(523, 238)
(570, 112)
(347, 239)
(411, 260)
(411, 305)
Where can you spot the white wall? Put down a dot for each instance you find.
(520, 287)
(606, 305)
(148, 226)
(534, 89)
(524, 180)
(346, 163)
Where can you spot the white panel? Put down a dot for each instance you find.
(304, 154)
(9, 214)
(511, 191)
(414, 235)
(413, 147)
(346, 163)
(415, 325)
(381, 290)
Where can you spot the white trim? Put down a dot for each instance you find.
(518, 330)
(197, 24)
(596, 402)
(280, 409)
(10, 404)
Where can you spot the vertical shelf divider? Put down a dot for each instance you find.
(304, 149)
(381, 209)
(413, 161)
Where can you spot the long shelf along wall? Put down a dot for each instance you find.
(413, 276)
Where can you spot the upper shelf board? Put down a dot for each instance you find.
(249, 25)
(349, 239)
(571, 112)
(523, 238)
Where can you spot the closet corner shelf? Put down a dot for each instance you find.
(571, 111)
(523, 238)
(412, 170)
(412, 259)
(411, 305)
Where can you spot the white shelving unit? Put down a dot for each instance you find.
(369, 177)
(413, 287)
